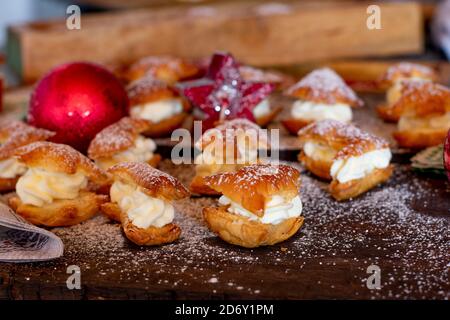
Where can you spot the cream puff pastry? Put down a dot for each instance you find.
(141, 200)
(226, 148)
(15, 134)
(122, 142)
(159, 104)
(164, 68)
(355, 161)
(58, 187)
(264, 112)
(260, 205)
(322, 94)
(424, 111)
(395, 79)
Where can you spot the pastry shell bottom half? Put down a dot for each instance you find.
(166, 126)
(150, 236)
(264, 120)
(198, 186)
(354, 188)
(385, 112)
(239, 230)
(418, 139)
(294, 125)
(60, 213)
(317, 167)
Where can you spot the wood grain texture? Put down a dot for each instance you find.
(401, 226)
(256, 33)
(326, 259)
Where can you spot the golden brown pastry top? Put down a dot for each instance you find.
(346, 139)
(228, 132)
(14, 134)
(149, 89)
(153, 182)
(405, 70)
(422, 98)
(253, 186)
(324, 86)
(164, 68)
(116, 137)
(60, 158)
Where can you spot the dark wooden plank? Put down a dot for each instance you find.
(402, 227)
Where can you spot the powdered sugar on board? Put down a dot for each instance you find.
(330, 253)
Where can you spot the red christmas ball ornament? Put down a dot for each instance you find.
(77, 100)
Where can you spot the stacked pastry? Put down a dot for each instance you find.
(13, 135)
(260, 205)
(123, 142)
(320, 95)
(141, 200)
(159, 104)
(395, 79)
(423, 111)
(226, 148)
(164, 68)
(355, 161)
(59, 186)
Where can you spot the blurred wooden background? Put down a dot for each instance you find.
(268, 33)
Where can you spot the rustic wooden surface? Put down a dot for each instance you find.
(401, 226)
(274, 34)
(328, 258)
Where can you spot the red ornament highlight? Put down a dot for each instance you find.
(77, 100)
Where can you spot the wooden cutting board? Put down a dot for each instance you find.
(401, 227)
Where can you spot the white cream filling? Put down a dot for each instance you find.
(424, 123)
(39, 186)
(276, 210)
(142, 210)
(317, 151)
(142, 151)
(11, 168)
(262, 109)
(158, 110)
(308, 110)
(352, 168)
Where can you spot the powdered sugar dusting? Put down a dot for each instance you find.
(408, 70)
(14, 134)
(355, 140)
(248, 178)
(423, 98)
(330, 252)
(145, 86)
(116, 137)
